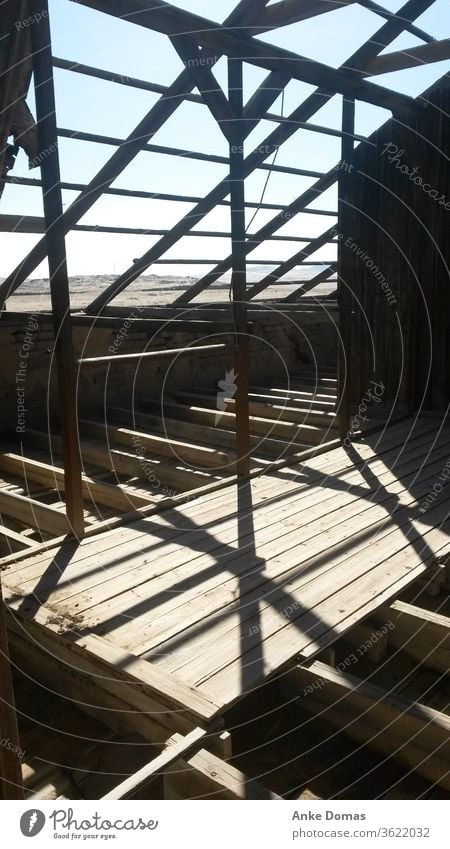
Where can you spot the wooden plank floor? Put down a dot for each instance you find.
(223, 591)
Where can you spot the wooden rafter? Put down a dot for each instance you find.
(204, 79)
(146, 128)
(171, 21)
(412, 57)
(387, 33)
(311, 284)
(290, 263)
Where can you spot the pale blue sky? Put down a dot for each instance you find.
(101, 107)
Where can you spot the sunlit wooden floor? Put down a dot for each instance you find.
(205, 601)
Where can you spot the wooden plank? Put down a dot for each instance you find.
(33, 514)
(335, 600)
(182, 535)
(122, 667)
(202, 434)
(206, 776)
(336, 462)
(117, 496)
(12, 541)
(10, 768)
(211, 597)
(181, 451)
(264, 410)
(191, 351)
(124, 462)
(258, 425)
(128, 788)
(422, 634)
(416, 735)
(57, 261)
(411, 57)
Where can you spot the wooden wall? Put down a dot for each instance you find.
(394, 243)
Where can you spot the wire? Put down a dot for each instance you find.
(269, 174)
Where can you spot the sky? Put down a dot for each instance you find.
(101, 107)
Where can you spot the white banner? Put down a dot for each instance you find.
(225, 825)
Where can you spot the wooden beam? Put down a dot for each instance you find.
(416, 735)
(311, 284)
(12, 541)
(411, 57)
(134, 681)
(145, 129)
(238, 267)
(181, 451)
(192, 58)
(10, 765)
(291, 263)
(387, 33)
(33, 514)
(191, 350)
(422, 634)
(131, 463)
(172, 21)
(345, 299)
(132, 785)
(288, 12)
(57, 261)
(205, 415)
(117, 496)
(278, 409)
(296, 206)
(205, 435)
(206, 776)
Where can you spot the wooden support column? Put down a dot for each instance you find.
(344, 294)
(239, 266)
(10, 769)
(56, 249)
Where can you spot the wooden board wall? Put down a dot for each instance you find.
(394, 234)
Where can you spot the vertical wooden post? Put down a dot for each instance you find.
(59, 284)
(344, 295)
(10, 768)
(239, 266)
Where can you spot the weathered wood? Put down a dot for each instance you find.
(132, 785)
(398, 60)
(117, 496)
(191, 351)
(10, 766)
(57, 261)
(416, 735)
(132, 463)
(422, 634)
(207, 776)
(181, 451)
(33, 514)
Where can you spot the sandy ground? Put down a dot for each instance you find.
(149, 290)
